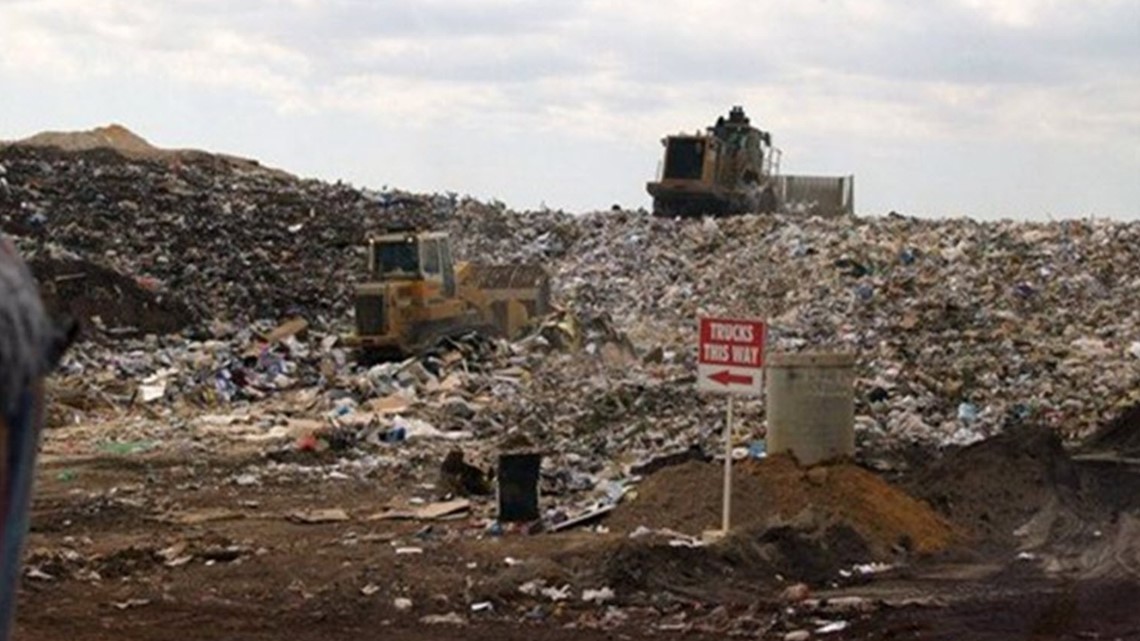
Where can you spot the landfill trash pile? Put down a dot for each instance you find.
(224, 241)
(108, 302)
(224, 236)
(961, 327)
(228, 238)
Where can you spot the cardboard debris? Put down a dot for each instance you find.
(301, 426)
(391, 404)
(358, 418)
(582, 519)
(290, 328)
(151, 393)
(427, 512)
(442, 509)
(313, 517)
(203, 515)
(280, 333)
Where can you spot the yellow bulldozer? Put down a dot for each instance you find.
(732, 168)
(415, 296)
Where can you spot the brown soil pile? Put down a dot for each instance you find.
(811, 548)
(776, 490)
(995, 486)
(126, 143)
(113, 136)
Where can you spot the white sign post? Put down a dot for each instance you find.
(731, 361)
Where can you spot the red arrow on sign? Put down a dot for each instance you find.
(728, 378)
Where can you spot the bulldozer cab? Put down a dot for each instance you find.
(729, 153)
(423, 256)
(416, 295)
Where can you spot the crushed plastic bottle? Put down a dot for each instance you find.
(967, 412)
(758, 449)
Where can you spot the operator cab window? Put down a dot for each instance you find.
(683, 158)
(431, 258)
(397, 259)
(445, 257)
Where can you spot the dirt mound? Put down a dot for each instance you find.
(1121, 434)
(114, 136)
(1115, 554)
(995, 486)
(85, 292)
(810, 548)
(126, 143)
(642, 566)
(687, 498)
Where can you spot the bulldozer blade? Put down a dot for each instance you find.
(508, 276)
(511, 296)
(527, 283)
(819, 195)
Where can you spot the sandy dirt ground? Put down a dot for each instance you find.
(156, 545)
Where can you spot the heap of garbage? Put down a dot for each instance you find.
(962, 328)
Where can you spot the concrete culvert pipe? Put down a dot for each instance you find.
(811, 405)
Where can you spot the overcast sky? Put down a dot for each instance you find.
(986, 108)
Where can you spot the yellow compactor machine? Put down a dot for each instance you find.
(732, 168)
(416, 295)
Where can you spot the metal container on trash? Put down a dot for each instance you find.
(518, 487)
(810, 401)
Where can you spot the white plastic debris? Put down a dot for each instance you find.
(871, 568)
(556, 594)
(598, 596)
(152, 393)
(832, 627)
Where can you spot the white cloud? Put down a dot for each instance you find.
(1026, 14)
(410, 102)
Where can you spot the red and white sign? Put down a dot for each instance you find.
(731, 358)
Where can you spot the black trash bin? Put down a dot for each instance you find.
(518, 487)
